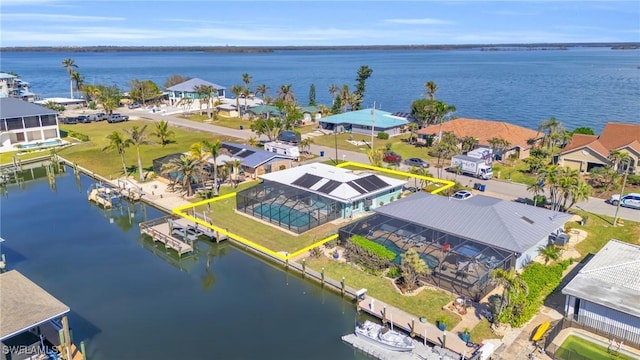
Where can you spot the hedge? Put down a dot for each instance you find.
(77, 135)
(383, 135)
(373, 247)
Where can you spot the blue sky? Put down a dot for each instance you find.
(269, 23)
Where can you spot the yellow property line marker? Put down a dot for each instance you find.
(180, 211)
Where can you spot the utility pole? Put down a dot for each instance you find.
(624, 182)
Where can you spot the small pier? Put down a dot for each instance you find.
(159, 230)
(129, 190)
(421, 352)
(103, 195)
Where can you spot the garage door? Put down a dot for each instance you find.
(572, 164)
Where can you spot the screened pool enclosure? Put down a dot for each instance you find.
(290, 208)
(460, 265)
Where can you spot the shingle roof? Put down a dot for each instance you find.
(191, 84)
(340, 181)
(611, 278)
(504, 224)
(383, 119)
(484, 130)
(614, 136)
(24, 304)
(13, 108)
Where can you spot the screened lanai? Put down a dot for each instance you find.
(457, 264)
(290, 208)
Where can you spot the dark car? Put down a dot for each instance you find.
(416, 162)
(392, 157)
(116, 118)
(69, 120)
(289, 137)
(84, 119)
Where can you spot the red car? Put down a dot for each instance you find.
(391, 157)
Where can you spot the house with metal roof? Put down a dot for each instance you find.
(304, 197)
(365, 121)
(187, 90)
(462, 241)
(604, 294)
(26, 311)
(24, 124)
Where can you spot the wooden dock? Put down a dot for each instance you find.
(421, 352)
(159, 230)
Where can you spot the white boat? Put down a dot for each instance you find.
(384, 337)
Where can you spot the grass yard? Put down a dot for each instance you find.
(516, 173)
(577, 347)
(399, 144)
(428, 303)
(236, 122)
(601, 231)
(90, 155)
(482, 331)
(7, 158)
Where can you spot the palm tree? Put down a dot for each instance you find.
(198, 152)
(187, 167)
(441, 110)
(214, 149)
(581, 191)
(345, 96)
(511, 285)
(78, 81)
(69, 64)
(261, 90)
(375, 156)
(550, 127)
(138, 138)
(92, 92)
(431, 89)
(201, 92)
(253, 141)
(234, 168)
(285, 94)
(305, 144)
(334, 90)
(163, 132)
(549, 252)
(246, 79)
(468, 143)
(118, 143)
(617, 157)
(536, 188)
(237, 91)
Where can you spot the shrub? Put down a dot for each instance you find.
(366, 259)
(633, 179)
(92, 105)
(77, 135)
(394, 272)
(383, 135)
(372, 246)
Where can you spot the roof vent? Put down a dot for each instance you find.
(527, 219)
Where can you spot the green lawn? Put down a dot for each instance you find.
(7, 158)
(399, 144)
(236, 122)
(428, 303)
(515, 171)
(90, 155)
(482, 331)
(576, 347)
(601, 231)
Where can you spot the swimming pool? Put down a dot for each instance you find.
(41, 144)
(283, 214)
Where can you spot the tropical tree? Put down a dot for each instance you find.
(468, 143)
(441, 111)
(214, 149)
(412, 267)
(345, 97)
(143, 90)
(537, 188)
(78, 81)
(285, 94)
(271, 127)
(109, 97)
(237, 90)
(421, 172)
(578, 192)
(70, 65)
(375, 156)
(617, 158)
(175, 80)
(118, 143)
(549, 252)
(163, 132)
(312, 95)
(187, 169)
(498, 145)
(550, 128)
(412, 127)
(246, 79)
(198, 152)
(431, 88)
(305, 144)
(584, 130)
(234, 169)
(138, 138)
(261, 90)
(511, 285)
(92, 92)
(253, 141)
(364, 72)
(334, 91)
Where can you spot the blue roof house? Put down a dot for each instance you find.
(366, 121)
(186, 90)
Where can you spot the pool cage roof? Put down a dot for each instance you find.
(291, 208)
(457, 264)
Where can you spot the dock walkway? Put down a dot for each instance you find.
(405, 321)
(159, 230)
(421, 352)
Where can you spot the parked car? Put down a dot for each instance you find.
(116, 118)
(69, 120)
(631, 200)
(83, 119)
(410, 188)
(98, 116)
(135, 105)
(289, 136)
(392, 157)
(461, 195)
(416, 162)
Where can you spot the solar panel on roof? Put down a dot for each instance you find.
(245, 153)
(329, 186)
(377, 181)
(371, 183)
(307, 180)
(357, 187)
(232, 149)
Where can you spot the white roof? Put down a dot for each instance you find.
(60, 100)
(346, 191)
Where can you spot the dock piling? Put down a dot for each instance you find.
(322, 276)
(343, 287)
(83, 350)
(413, 326)
(304, 267)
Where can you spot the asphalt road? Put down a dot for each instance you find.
(496, 188)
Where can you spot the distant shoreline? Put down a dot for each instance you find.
(270, 49)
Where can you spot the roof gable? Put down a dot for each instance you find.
(504, 224)
(616, 135)
(484, 130)
(14, 108)
(191, 84)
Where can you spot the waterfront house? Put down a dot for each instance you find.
(586, 152)
(362, 121)
(520, 138)
(461, 241)
(26, 315)
(304, 197)
(23, 124)
(603, 295)
(13, 86)
(187, 91)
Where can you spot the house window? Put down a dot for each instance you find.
(14, 124)
(31, 122)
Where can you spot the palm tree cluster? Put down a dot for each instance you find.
(511, 284)
(74, 76)
(563, 185)
(555, 133)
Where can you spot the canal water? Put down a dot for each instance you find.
(130, 299)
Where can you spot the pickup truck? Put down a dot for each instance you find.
(116, 118)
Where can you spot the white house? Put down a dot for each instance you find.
(22, 123)
(13, 86)
(605, 294)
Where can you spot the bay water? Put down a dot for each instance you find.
(579, 86)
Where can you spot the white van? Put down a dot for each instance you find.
(630, 200)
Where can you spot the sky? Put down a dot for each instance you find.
(321, 23)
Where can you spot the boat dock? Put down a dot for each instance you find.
(420, 352)
(159, 230)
